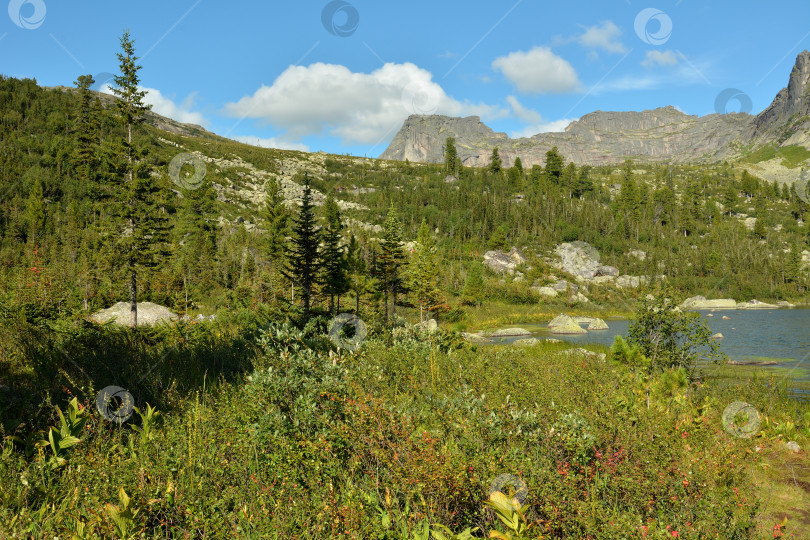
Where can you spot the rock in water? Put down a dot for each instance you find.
(718, 335)
(755, 304)
(598, 324)
(700, 302)
(566, 325)
(559, 320)
(148, 314)
(509, 332)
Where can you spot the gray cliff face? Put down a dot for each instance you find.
(663, 134)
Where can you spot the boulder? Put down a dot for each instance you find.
(598, 324)
(563, 285)
(726, 318)
(148, 314)
(601, 280)
(566, 325)
(606, 271)
(553, 340)
(793, 446)
(578, 259)
(509, 332)
(630, 282)
(559, 320)
(475, 337)
(718, 335)
(783, 303)
(585, 352)
(755, 304)
(700, 302)
(499, 262)
(578, 298)
(547, 292)
(527, 342)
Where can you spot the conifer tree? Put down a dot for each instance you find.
(335, 280)
(473, 292)
(275, 216)
(35, 214)
(450, 157)
(356, 269)
(495, 162)
(195, 236)
(86, 129)
(303, 262)
(139, 198)
(391, 261)
(554, 166)
(423, 274)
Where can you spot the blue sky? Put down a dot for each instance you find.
(341, 76)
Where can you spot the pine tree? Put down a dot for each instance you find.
(139, 199)
(473, 292)
(35, 214)
(495, 162)
(334, 277)
(730, 198)
(391, 261)
(759, 228)
(303, 253)
(450, 157)
(423, 274)
(554, 166)
(793, 266)
(356, 268)
(86, 129)
(275, 217)
(195, 235)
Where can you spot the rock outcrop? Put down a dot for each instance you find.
(700, 302)
(504, 263)
(148, 314)
(565, 324)
(656, 135)
(756, 304)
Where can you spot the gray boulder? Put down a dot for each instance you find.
(504, 263)
(578, 259)
(598, 324)
(509, 332)
(148, 314)
(546, 292)
(793, 446)
(585, 352)
(429, 325)
(700, 302)
(564, 324)
(630, 282)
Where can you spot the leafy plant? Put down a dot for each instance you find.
(512, 514)
(122, 516)
(67, 436)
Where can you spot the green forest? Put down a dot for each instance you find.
(269, 421)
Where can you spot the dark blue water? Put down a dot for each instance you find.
(782, 335)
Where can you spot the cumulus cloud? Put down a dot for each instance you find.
(538, 71)
(534, 119)
(660, 58)
(168, 108)
(603, 36)
(271, 142)
(357, 107)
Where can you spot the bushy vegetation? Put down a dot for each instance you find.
(264, 429)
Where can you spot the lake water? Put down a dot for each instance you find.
(782, 335)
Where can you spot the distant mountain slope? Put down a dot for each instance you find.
(663, 134)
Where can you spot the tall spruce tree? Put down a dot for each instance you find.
(495, 162)
(474, 285)
(423, 274)
(276, 217)
(139, 198)
(450, 157)
(554, 166)
(87, 141)
(391, 261)
(303, 252)
(356, 270)
(335, 280)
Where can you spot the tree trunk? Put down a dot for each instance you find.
(133, 299)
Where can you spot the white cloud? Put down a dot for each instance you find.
(661, 58)
(168, 108)
(534, 119)
(604, 36)
(538, 71)
(272, 142)
(357, 107)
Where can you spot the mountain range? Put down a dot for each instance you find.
(658, 135)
